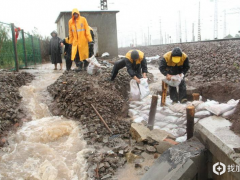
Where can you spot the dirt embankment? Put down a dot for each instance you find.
(74, 93)
(10, 110)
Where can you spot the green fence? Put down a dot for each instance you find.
(24, 52)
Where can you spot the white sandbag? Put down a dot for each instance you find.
(166, 129)
(145, 116)
(182, 125)
(131, 106)
(106, 54)
(146, 107)
(161, 124)
(159, 117)
(178, 108)
(174, 132)
(184, 122)
(202, 106)
(181, 139)
(228, 113)
(132, 112)
(134, 90)
(156, 127)
(92, 69)
(138, 119)
(144, 89)
(175, 80)
(170, 119)
(181, 131)
(137, 103)
(171, 126)
(166, 111)
(93, 66)
(233, 102)
(194, 103)
(159, 108)
(196, 120)
(202, 114)
(180, 120)
(219, 109)
(145, 112)
(153, 58)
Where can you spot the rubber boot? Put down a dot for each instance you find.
(85, 64)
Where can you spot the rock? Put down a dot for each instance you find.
(151, 149)
(137, 165)
(121, 153)
(155, 156)
(108, 176)
(141, 133)
(146, 168)
(163, 146)
(106, 165)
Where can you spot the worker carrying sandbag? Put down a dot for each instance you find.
(173, 63)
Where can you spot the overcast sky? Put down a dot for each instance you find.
(133, 20)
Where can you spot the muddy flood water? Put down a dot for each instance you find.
(47, 147)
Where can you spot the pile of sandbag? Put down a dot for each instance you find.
(172, 117)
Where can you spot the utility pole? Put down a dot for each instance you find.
(180, 28)
(215, 33)
(148, 36)
(193, 37)
(185, 30)
(224, 24)
(199, 24)
(160, 31)
(135, 39)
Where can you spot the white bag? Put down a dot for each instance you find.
(134, 91)
(93, 66)
(175, 80)
(219, 109)
(144, 89)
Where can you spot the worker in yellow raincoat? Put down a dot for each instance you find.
(79, 37)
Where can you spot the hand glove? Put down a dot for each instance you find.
(91, 43)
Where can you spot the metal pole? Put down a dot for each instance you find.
(34, 59)
(24, 49)
(14, 48)
(152, 112)
(190, 121)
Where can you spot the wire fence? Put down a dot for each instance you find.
(18, 52)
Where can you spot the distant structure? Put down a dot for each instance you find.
(215, 33)
(180, 28)
(103, 4)
(199, 24)
(224, 24)
(193, 37)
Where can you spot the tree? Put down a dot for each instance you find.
(237, 36)
(228, 36)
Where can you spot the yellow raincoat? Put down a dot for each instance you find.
(79, 36)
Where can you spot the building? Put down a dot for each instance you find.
(104, 25)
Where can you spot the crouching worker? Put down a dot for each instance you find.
(67, 53)
(117, 66)
(136, 65)
(173, 63)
